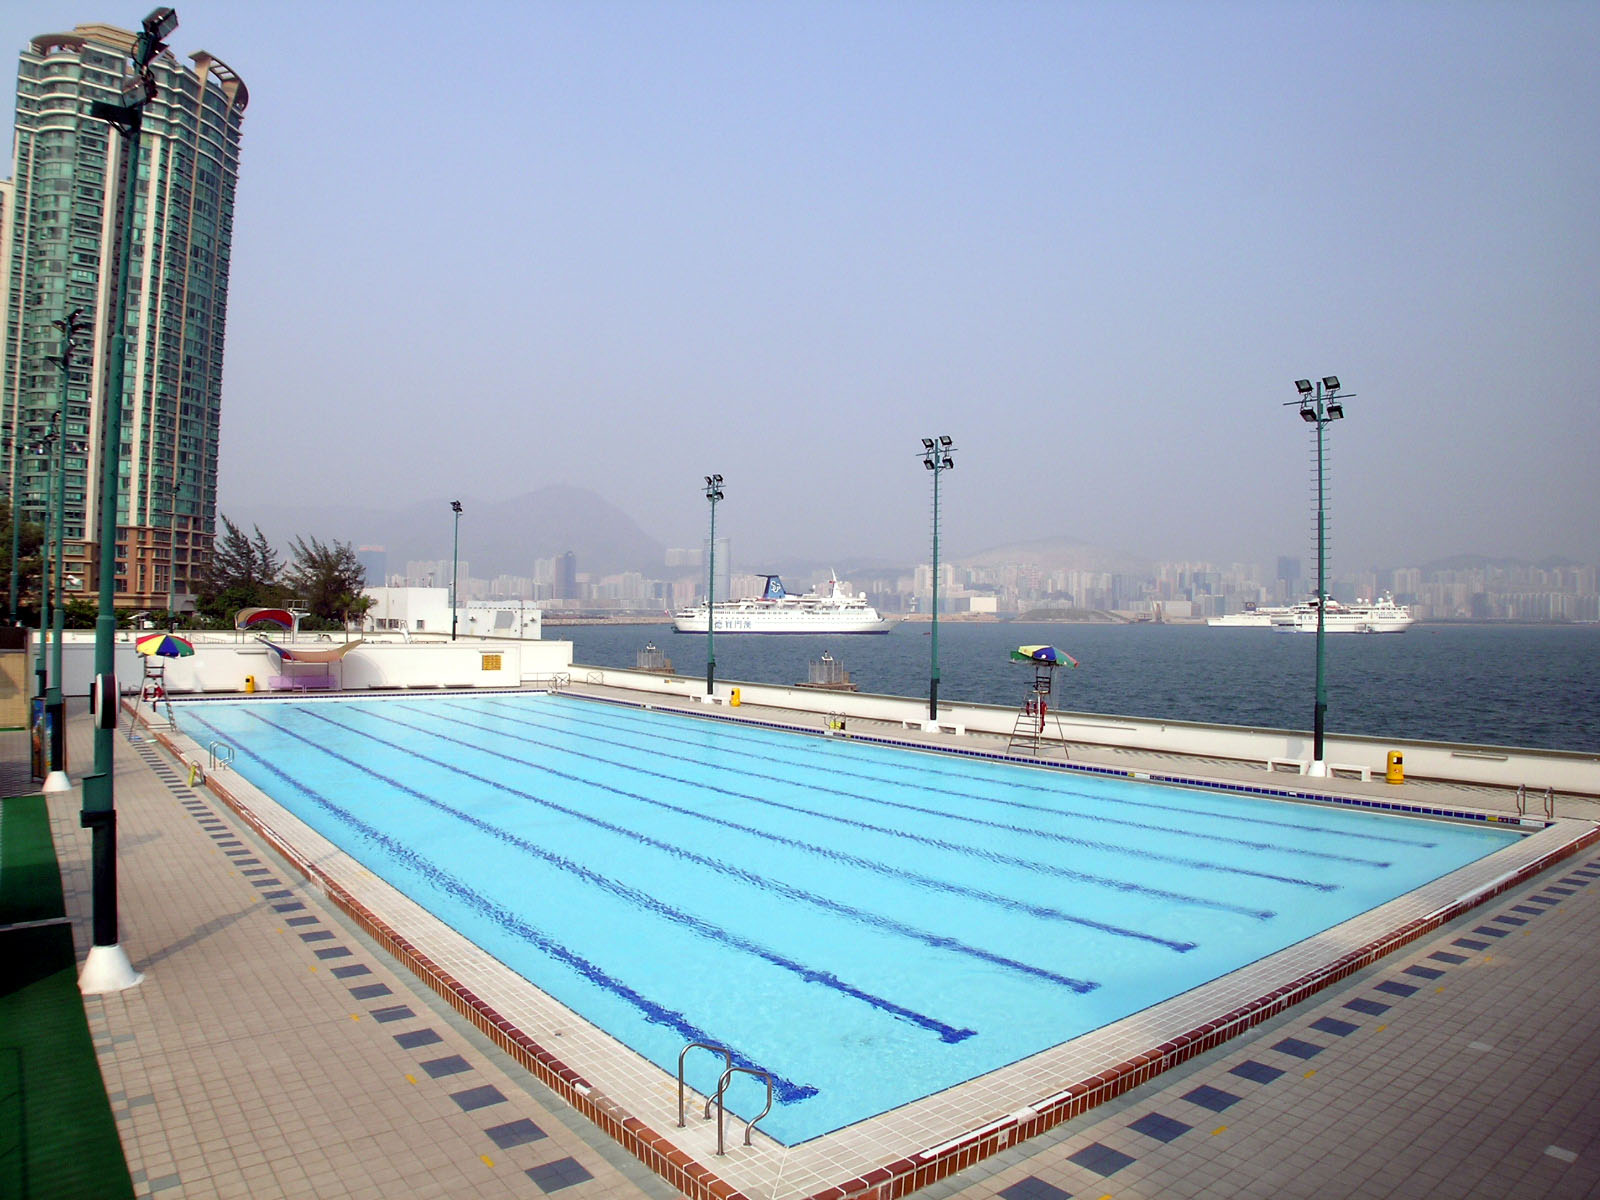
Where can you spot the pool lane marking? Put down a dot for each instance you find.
(450, 884)
(697, 925)
(876, 920)
(1039, 911)
(743, 733)
(879, 920)
(921, 786)
(1043, 868)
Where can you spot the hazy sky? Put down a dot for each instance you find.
(484, 247)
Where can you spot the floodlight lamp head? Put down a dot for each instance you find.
(944, 440)
(1335, 412)
(1303, 386)
(1308, 414)
(455, 507)
(160, 22)
(717, 479)
(1331, 382)
(927, 443)
(928, 462)
(949, 463)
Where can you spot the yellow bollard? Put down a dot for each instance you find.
(1396, 772)
(249, 683)
(733, 700)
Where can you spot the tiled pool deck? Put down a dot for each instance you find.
(276, 1049)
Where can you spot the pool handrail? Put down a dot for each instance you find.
(714, 1048)
(722, 1086)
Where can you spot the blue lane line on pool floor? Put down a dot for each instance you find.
(921, 784)
(946, 1032)
(921, 771)
(1042, 912)
(1054, 869)
(517, 926)
(876, 920)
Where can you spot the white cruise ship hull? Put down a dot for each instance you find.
(1382, 617)
(694, 621)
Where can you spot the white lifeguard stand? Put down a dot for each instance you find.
(1033, 717)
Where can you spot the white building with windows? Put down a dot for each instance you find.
(426, 610)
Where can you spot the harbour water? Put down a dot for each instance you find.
(1528, 686)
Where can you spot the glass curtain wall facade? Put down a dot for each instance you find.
(61, 237)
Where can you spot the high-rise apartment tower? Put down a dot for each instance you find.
(59, 251)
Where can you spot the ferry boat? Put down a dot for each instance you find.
(776, 611)
(1251, 618)
(1382, 615)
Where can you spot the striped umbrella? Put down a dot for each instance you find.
(163, 645)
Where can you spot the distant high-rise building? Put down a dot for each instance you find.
(60, 239)
(566, 580)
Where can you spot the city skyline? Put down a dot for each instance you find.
(1096, 244)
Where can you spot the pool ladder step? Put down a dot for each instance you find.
(729, 1071)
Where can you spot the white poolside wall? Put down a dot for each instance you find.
(1565, 771)
(223, 666)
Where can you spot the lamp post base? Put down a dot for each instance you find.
(106, 970)
(56, 781)
(1317, 768)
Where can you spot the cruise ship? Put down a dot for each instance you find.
(1382, 615)
(1251, 618)
(775, 611)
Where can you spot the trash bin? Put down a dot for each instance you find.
(249, 683)
(734, 699)
(1396, 772)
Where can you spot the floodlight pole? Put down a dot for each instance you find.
(936, 457)
(1319, 406)
(107, 968)
(713, 494)
(455, 555)
(55, 705)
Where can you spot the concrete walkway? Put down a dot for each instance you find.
(273, 1051)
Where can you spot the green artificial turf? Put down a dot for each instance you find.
(58, 1138)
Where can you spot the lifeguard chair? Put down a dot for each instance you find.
(1033, 717)
(153, 694)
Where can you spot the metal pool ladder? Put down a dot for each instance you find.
(722, 1086)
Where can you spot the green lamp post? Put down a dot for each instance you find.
(455, 556)
(936, 457)
(107, 968)
(1319, 406)
(713, 494)
(72, 327)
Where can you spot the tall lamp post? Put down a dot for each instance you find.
(45, 447)
(455, 556)
(1319, 405)
(107, 968)
(713, 494)
(936, 457)
(71, 326)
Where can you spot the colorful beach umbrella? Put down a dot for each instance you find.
(1043, 654)
(164, 645)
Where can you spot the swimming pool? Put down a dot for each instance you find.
(868, 924)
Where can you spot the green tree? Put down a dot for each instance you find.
(30, 535)
(245, 572)
(329, 578)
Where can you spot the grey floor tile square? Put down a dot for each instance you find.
(418, 1037)
(1257, 1072)
(478, 1097)
(1334, 1026)
(1100, 1158)
(1163, 1129)
(563, 1173)
(515, 1133)
(438, 1068)
(1034, 1188)
(1212, 1098)
(1299, 1048)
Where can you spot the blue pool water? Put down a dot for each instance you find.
(871, 925)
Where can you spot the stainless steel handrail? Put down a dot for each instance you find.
(727, 1056)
